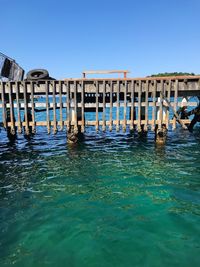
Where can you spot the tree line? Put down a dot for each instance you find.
(166, 74)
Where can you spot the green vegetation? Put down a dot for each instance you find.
(166, 74)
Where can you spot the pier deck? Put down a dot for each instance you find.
(114, 103)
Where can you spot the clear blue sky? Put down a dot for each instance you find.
(67, 37)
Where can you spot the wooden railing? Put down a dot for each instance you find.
(113, 103)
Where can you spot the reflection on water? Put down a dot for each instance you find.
(112, 200)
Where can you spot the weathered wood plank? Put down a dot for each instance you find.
(125, 105)
(68, 105)
(61, 105)
(26, 109)
(97, 106)
(104, 107)
(89, 123)
(132, 117)
(111, 106)
(82, 107)
(3, 99)
(146, 106)
(88, 105)
(161, 106)
(117, 110)
(168, 98)
(154, 106)
(19, 125)
(175, 101)
(33, 107)
(75, 109)
(47, 108)
(139, 107)
(12, 117)
(54, 108)
(192, 84)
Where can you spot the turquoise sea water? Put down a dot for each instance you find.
(113, 200)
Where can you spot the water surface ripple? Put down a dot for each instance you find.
(113, 200)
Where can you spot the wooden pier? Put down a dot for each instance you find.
(114, 104)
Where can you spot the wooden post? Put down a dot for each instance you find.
(146, 106)
(54, 108)
(47, 107)
(97, 106)
(33, 108)
(74, 114)
(12, 116)
(161, 129)
(175, 102)
(83, 106)
(61, 105)
(168, 98)
(73, 132)
(104, 107)
(139, 106)
(154, 106)
(111, 105)
(132, 115)
(67, 85)
(3, 98)
(118, 105)
(160, 108)
(17, 87)
(125, 99)
(27, 132)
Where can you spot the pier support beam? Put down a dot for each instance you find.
(72, 136)
(161, 128)
(142, 130)
(161, 134)
(11, 132)
(74, 133)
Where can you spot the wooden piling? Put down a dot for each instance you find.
(12, 116)
(4, 102)
(146, 105)
(132, 115)
(61, 105)
(47, 107)
(33, 108)
(75, 120)
(111, 105)
(168, 98)
(54, 108)
(175, 102)
(117, 110)
(19, 124)
(97, 106)
(104, 107)
(139, 106)
(125, 105)
(67, 86)
(82, 107)
(26, 119)
(154, 106)
(161, 106)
